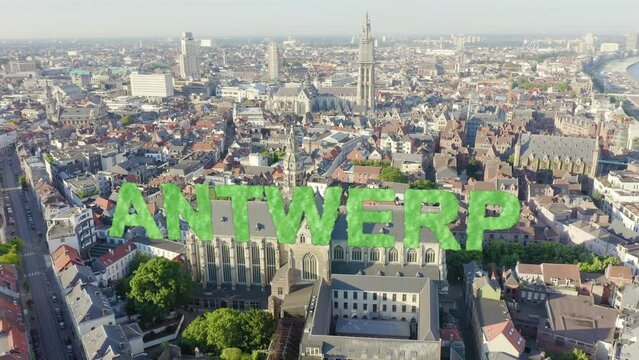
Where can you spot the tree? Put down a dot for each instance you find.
(259, 327)
(423, 185)
(511, 159)
(472, 169)
(127, 120)
(215, 331)
(234, 354)
(23, 181)
(48, 158)
(393, 174)
(158, 287)
(10, 252)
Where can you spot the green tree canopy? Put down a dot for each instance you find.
(10, 252)
(127, 120)
(215, 331)
(393, 174)
(158, 287)
(423, 185)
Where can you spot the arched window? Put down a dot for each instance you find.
(303, 239)
(270, 262)
(210, 263)
(411, 256)
(430, 256)
(374, 254)
(338, 253)
(309, 267)
(226, 263)
(241, 263)
(255, 264)
(393, 255)
(356, 254)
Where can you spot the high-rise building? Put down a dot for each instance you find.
(366, 73)
(273, 61)
(189, 57)
(632, 40)
(152, 85)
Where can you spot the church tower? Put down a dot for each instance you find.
(366, 71)
(293, 166)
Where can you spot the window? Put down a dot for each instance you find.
(356, 254)
(270, 262)
(309, 267)
(414, 297)
(430, 256)
(374, 307)
(365, 307)
(403, 297)
(345, 294)
(335, 305)
(411, 256)
(403, 308)
(365, 296)
(338, 253)
(335, 294)
(374, 256)
(345, 306)
(394, 308)
(393, 255)
(256, 270)
(280, 291)
(384, 307)
(226, 263)
(384, 297)
(354, 306)
(355, 295)
(241, 265)
(413, 309)
(394, 297)
(374, 296)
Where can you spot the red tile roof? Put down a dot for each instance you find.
(17, 344)
(64, 256)
(508, 330)
(117, 253)
(9, 277)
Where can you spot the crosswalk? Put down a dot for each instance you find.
(35, 273)
(30, 253)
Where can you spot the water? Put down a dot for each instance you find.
(633, 70)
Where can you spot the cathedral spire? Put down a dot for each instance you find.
(367, 27)
(293, 166)
(366, 71)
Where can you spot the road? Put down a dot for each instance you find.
(36, 269)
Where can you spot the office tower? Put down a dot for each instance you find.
(152, 85)
(589, 39)
(189, 57)
(631, 40)
(366, 61)
(273, 61)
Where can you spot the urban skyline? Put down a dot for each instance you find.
(246, 18)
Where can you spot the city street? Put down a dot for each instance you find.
(36, 269)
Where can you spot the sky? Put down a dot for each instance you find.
(29, 19)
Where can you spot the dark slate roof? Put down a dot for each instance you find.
(562, 146)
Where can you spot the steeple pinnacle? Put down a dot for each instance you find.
(367, 27)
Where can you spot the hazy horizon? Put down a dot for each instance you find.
(77, 19)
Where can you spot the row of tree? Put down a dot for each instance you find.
(500, 254)
(215, 331)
